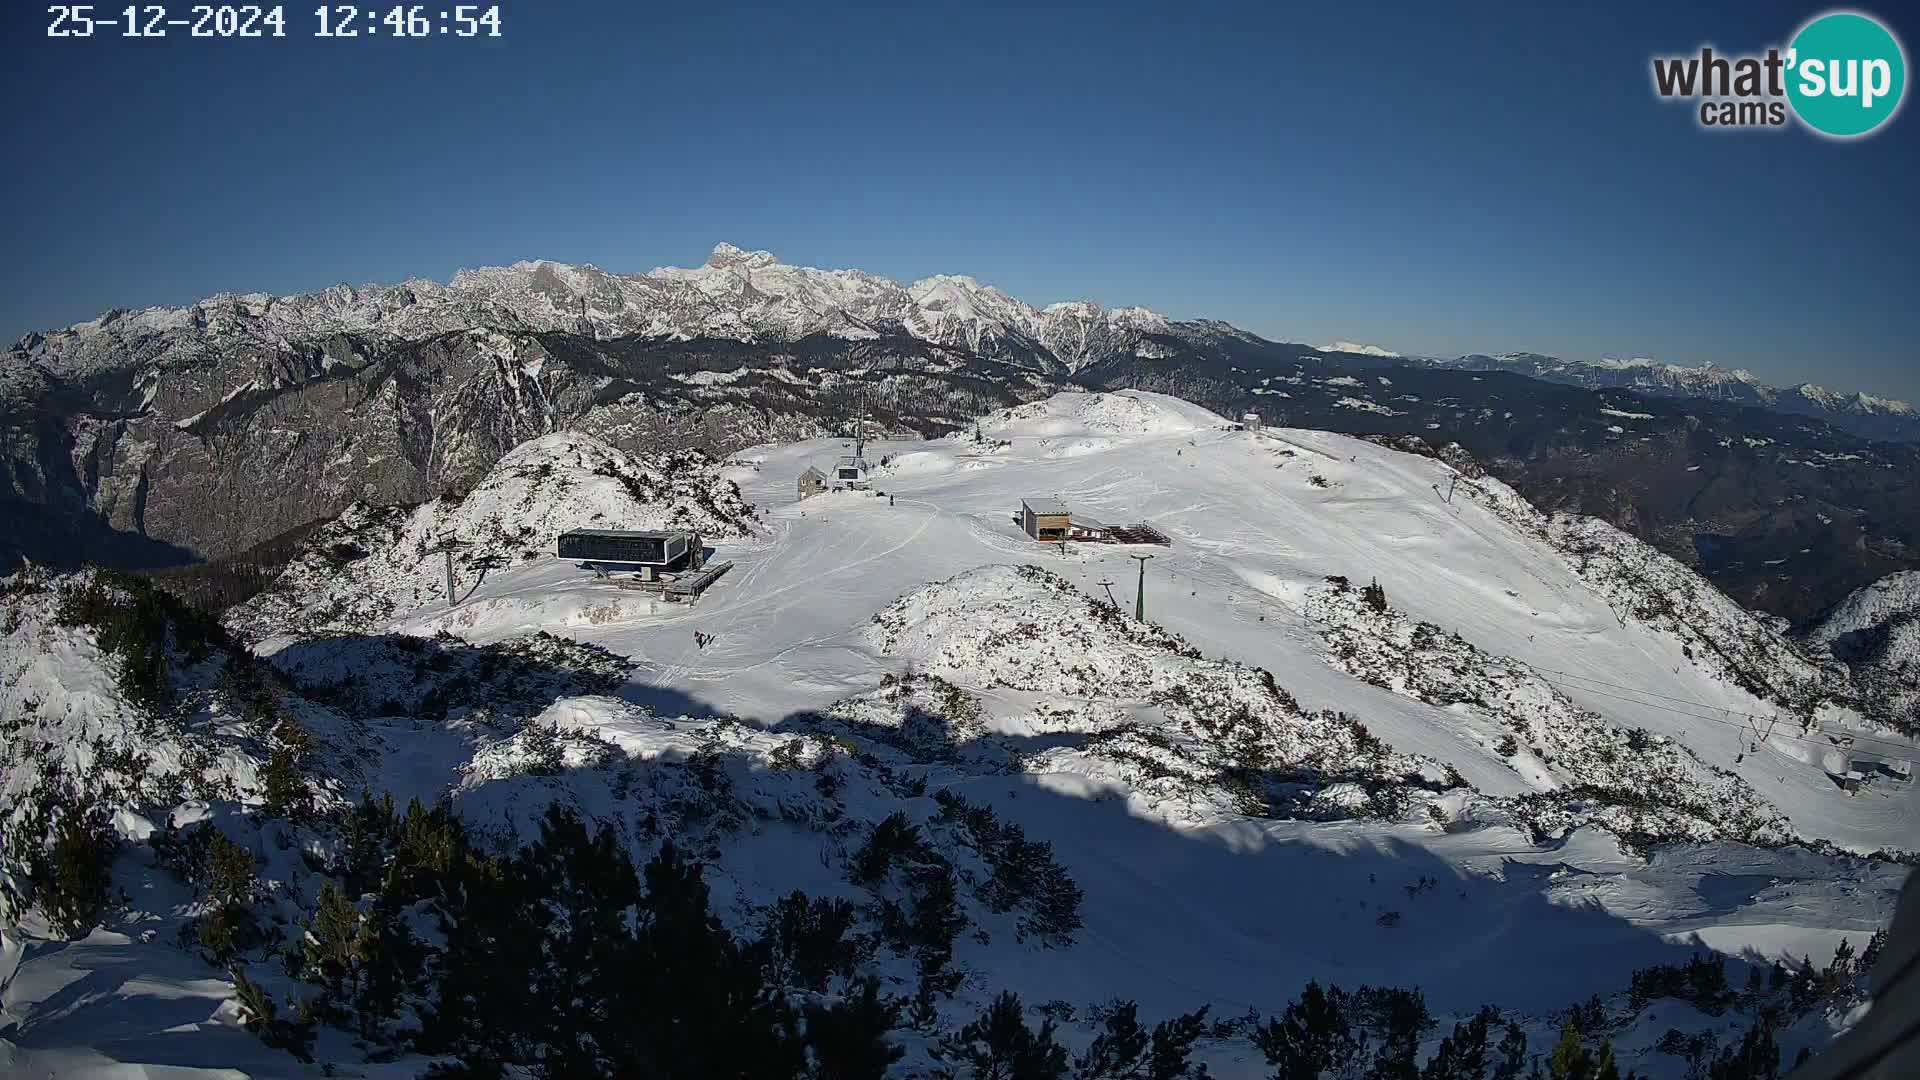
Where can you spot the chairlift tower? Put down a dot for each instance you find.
(1140, 597)
(446, 548)
(860, 427)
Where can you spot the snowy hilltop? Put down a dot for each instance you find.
(1392, 754)
(1876, 633)
(375, 561)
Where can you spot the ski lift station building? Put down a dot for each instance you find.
(1050, 521)
(1881, 766)
(649, 552)
(851, 472)
(1046, 519)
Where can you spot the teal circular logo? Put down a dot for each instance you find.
(1846, 74)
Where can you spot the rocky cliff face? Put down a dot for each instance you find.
(1875, 632)
(223, 452)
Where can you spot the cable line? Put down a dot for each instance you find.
(1905, 748)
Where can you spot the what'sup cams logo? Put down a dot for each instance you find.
(1843, 76)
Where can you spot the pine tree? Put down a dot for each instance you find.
(231, 926)
(1463, 1054)
(283, 788)
(1124, 1050)
(1839, 975)
(366, 836)
(1000, 1046)
(429, 850)
(1513, 1053)
(1401, 1020)
(1757, 1057)
(848, 1039)
(1870, 955)
(385, 954)
(1119, 1048)
(937, 922)
(1375, 597)
(229, 871)
(1172, 1051)
(71, 879)
(1312, 1037)
(329, 944)
(483, 1004)
(1608, 1068)
(808, 940)
(1570, 1059)
(586, 898)
(705, 1004)
(262, 1017)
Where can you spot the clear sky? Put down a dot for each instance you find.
(1433, 177)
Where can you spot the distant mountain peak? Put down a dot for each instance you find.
(726, 256)
(1859, 402)
(1356, 349)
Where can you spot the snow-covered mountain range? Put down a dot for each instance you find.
(1860, 412)
(163, 436)
(1385, 723)
(750, 296)
(737, 295)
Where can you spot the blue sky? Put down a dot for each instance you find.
(1430, 177)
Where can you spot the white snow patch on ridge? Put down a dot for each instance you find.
(1356, 348)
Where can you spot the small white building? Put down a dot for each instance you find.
(850, 472)
(1880, 767)
(1251, 421)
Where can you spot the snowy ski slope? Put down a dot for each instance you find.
(1254, 533)
(1186, 902)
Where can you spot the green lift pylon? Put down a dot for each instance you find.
(1140, 597)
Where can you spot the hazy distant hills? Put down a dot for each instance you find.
(1859, 413)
